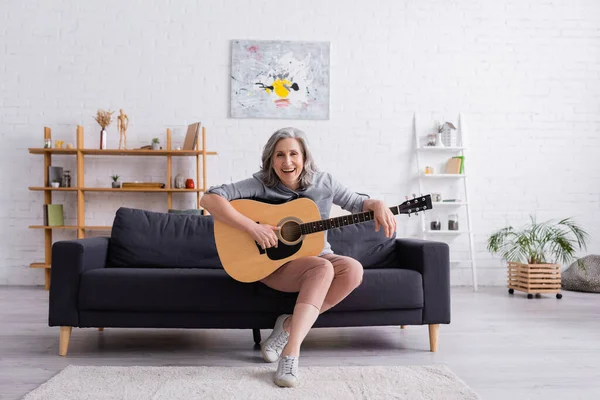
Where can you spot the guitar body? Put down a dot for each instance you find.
(245, 261)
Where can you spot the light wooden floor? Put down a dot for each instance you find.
(500, 345)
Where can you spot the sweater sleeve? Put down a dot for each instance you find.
(244, 189)
(345, 198)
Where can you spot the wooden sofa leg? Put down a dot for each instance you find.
(402, 326)
(100, 329)
(65, 335)
(433, 336)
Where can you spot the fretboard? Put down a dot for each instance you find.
(337, 222)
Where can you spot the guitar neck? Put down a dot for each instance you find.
(337, 222)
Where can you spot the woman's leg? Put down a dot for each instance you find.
(348, 274)
(311, 277)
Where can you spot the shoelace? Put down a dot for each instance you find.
(288, 365)
(280, 341)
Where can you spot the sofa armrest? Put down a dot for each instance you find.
(69, 259)
(432, 260)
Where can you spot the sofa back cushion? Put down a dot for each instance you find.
(361, 242)
(141, 238)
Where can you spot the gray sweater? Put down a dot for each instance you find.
(324, 191)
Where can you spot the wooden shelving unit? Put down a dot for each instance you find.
(79, 186)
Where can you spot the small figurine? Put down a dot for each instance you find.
(122, 124)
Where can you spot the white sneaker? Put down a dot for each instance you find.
(273, 346)
(287, 372)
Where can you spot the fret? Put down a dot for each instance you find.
(336, 222)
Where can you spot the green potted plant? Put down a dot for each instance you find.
(55, 183)
(155, 144)
(532, 253)
(115, 183)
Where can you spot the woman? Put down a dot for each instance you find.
(288, 172)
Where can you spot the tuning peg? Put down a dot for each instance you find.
(414, 195)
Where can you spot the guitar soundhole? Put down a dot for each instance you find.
(290, 231)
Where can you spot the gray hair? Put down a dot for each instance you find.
(269, 176)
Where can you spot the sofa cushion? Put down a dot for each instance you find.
(210, 290)
(362, 243)
(141, 238)
(381, 289)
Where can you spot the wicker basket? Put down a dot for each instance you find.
(534, 279)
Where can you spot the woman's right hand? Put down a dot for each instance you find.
(264, 235)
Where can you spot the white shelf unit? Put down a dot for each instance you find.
(436, 152)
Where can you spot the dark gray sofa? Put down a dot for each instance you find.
(161, 270)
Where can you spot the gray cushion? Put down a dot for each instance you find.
(190, 211)
(361, 242)
(187, 290)
(142, 238)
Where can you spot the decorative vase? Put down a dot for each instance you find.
(449, 138)
(155, 146)
(453, 222)
(55, 184)
(179, 182)
(103, 135)
(438, 140)
(116, 185)
(189, 183)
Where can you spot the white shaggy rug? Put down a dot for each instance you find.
(172, 383)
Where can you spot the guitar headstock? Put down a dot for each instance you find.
(415, 205)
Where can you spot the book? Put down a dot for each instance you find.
(191, 137)
(53, 215)
(453, 166)
(147, 185)
(462, 164)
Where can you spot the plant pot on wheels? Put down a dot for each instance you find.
(534, 279)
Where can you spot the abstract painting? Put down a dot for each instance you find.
(279, 79)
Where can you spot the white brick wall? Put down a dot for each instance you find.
(526, 73)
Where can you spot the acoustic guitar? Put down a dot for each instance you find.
(301, 234)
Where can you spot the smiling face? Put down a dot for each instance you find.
(288, 162)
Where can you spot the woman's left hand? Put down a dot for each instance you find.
(384, 218)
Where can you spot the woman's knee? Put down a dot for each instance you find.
(355, 273)
(323, 269)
